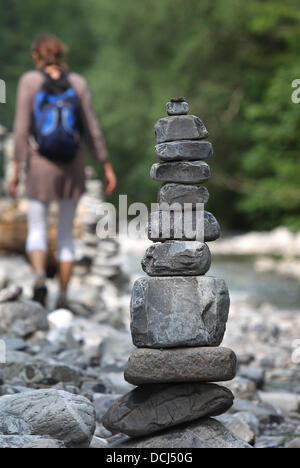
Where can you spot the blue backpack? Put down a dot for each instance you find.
(56, 120)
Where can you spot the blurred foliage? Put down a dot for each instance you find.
(234, 61)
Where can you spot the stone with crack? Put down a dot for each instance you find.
(181, 127)
(177, 312)
(185, 150)
(152, 408)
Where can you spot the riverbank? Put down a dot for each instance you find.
(277, 250)
(83, 352)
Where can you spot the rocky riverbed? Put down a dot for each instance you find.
(64, 369)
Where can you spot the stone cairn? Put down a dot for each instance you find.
(178, 315)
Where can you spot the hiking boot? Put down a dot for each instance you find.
(40, 293)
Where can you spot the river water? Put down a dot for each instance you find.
(240, 275)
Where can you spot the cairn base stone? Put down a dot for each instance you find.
(153, 366)
(152, 408)
(177, 259)
(205, 433)
(186, 172)
(182, 127)
(179, 312)
(190, 150)
(164, 226)
(181, 194)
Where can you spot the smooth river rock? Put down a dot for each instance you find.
(181, 194)
(22, 318)
(177, 106)
(152, 408)
(203, 364)
(205, 433)
(58, 414)
(10, 293)
(180, 311)
(186, 172)
(186, 225)
(190, 150)
(177, 258)
(182, 127)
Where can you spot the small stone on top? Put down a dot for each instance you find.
(178, 99)
(177, 106)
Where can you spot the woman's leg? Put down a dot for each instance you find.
(66, 248)
(36, 245)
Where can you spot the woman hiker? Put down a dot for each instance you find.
(53, 116)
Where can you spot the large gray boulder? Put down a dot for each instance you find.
(189, 150)
(183, 127)
(186, 172)
(58, 414)
(152, 366)
(152, 408)
(206, 433)
(179, 312)
(174, 225)
(22, 318)
(177, 258)
(182, 194)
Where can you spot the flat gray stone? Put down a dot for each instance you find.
(182, 127)
(177, 312)
(189, 150)
(243, 388)
(38, 372)
(164, 226)
(273, 442)
(295, 443)
(186, 172)
(11, 293)
(181, 194)
(238, 427)
(203, 364)
(177, 258)
(177, 107)
(58, 414)
(206, 433)
(22, 318)
(44, 444)
(16, 441)
(152, 408)
(256, 374)
(265, 413)
(286, 402)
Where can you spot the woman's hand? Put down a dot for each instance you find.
(13, 185)
(14, 181)
(110, 179)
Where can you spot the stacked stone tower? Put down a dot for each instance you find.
(178, 315)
